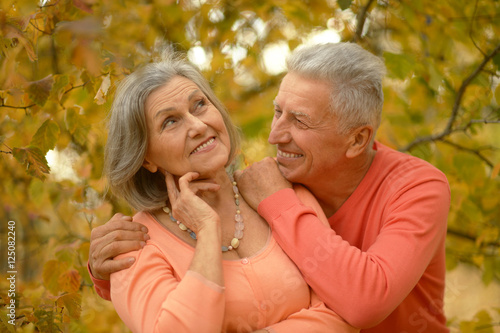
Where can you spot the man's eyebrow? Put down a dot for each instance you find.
(295, 113)
(190, 97)
(300, 114)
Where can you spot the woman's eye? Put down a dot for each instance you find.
(201, 103)
(168, 122)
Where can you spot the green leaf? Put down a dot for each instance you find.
(45, 320)
(344, 4)
(33, 159)
(484, 321)
(4, 323)
(496, 61)
(39, 91)
(399, 65)
(71, 119)
(59, 87)
(36, 190)
(46, 136)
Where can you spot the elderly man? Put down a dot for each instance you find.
(380, 263)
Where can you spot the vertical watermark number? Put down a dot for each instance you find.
(12, 271)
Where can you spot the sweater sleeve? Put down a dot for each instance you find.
(101, 286)
(347, 279)
(149, 297)
(315, 319)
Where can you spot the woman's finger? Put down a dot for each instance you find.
(172, 191)
(186, 179)
(201, 187)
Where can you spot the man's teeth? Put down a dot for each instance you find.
(281, 153)
(209, 142)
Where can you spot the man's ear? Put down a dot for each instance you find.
(149, 166)
(361, 137)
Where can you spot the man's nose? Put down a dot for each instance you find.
(279, 131)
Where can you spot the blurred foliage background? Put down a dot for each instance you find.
(61, 59)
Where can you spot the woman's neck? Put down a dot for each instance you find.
(222, 198)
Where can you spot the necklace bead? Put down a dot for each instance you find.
(238, 227)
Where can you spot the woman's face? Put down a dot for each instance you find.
(186, 132)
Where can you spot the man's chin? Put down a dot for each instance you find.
(287, 173)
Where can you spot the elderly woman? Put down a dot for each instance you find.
(211, 264)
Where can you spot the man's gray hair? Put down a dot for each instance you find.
(128, 134)
(355, 76)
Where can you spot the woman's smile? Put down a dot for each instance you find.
(205, 146)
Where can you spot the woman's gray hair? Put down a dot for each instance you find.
(128, 134)
(355, 76)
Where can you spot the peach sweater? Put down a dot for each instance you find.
(380, 264)
(159, 294)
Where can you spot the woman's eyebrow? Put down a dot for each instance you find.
(190, 97)
(192, 94)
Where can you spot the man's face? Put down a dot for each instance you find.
(305, 132)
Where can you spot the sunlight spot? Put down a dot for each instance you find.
(322, 37)
(199, 57)
(61, 164)
(274, 57)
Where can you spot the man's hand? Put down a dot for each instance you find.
(119, 235)
(260, 180)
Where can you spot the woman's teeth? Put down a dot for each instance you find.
(209, 142)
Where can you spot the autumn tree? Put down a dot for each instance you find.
(61, 59)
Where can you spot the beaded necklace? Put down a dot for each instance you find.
(238, 227)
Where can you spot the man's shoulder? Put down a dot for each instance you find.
(400, 163)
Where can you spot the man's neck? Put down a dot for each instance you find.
(333, 192)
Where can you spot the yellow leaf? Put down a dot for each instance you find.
(497, 94)
(70, 281)
(46, 136)
(496, 169)
(72, 302)
(52, 270)
(33, 159)
(100, 97)
(39, 90)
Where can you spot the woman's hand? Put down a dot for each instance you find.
(119, 235)
(187, 207)
(198, 216)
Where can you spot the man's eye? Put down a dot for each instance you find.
(277, 113)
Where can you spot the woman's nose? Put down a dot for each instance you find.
(196, 126)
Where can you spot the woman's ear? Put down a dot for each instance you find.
(149, 166)
(360, 139)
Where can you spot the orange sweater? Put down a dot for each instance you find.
(381, 262)
(159, 294)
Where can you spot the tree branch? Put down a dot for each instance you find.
(470, 151)
(472, 238)
(456, 106)
(361, 18)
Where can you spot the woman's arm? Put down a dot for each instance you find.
(315, 319)
(150, 298)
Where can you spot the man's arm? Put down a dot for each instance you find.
(346, 278)
(119, 235)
